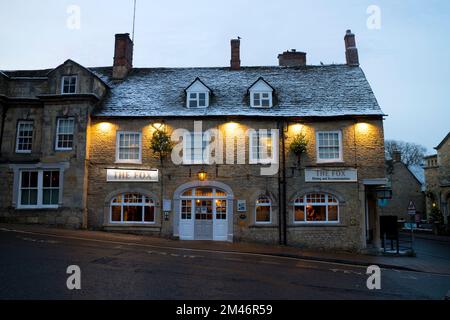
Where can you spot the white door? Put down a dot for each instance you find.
(220, 223)
(186, 220)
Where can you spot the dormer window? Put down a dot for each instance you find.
(262, 99)
(198, 100)
(261, 94)
(197, 94)
(69, 84)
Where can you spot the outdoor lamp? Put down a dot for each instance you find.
(202, 175)
(384, 193)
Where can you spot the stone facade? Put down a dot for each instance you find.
(405, 188)
(437, 175)
(39, 101)
(105, 102)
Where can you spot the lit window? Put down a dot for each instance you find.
(198, 99)
(69, 84)
(132, 208)
(329, 146)
(24, 139)
(39, 189)
(64, 134)
(128, 148)
(262, 99)
(196, 148)
(316, 207)
(263, 210)
(263, 146)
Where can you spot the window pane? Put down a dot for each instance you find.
(25, 179)
(149, 214)
(316, 213)
(115, 213)
(34, 179)
(25, 197)
(33, 197)
(265, 103)
(46, 196)
(193, 104)
(333, 213)
(262, 213)
(132, 213)
(299, 213)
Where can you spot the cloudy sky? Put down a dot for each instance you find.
(405, 53)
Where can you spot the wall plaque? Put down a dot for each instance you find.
(331, 175)
(129, 175)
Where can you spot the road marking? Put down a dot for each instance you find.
(203, 250)
(37, 240)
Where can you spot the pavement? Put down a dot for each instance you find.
(34, 262)
(432, 252)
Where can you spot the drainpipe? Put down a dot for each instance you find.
(3, 127)
(283, 170)
(280, 222)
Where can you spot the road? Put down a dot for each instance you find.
(33, 266)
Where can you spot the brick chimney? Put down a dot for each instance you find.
(397, 156)
(123, 56)
(292, 58)
(351, 52)
(235, 62)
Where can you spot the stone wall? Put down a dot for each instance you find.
(363, 149)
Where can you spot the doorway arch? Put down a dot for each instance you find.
(203, 210)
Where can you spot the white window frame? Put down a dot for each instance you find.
(263, 205)
(18, 135)
(335, 160)
(325, 204)
(134, 161)
(206, 156)
(70, 77)
(40, 189)
(197, 99)
(252, 99)
(258, 160)
(57, 134)
(141, 204)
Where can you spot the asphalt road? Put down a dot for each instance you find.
(34, 266)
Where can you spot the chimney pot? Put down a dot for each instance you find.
(123, 56)
(235, 62)
(351, 52)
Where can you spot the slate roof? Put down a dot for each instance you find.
(319, 91)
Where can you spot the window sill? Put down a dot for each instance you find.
(330, 162)
(37, 208)
(316, 224)
(263, 226)
(128, 162)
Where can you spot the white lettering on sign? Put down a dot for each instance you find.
(121, 175)
(331, 175)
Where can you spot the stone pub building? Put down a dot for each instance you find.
(75, 150)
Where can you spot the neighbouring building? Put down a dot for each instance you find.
(437, 178)
(407, 184)
(76, 150)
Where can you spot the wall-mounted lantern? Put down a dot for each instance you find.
(202, 175)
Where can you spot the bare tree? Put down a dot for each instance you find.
(411, 153)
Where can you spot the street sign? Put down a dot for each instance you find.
(411, 208)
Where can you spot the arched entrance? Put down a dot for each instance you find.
(203, 211)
